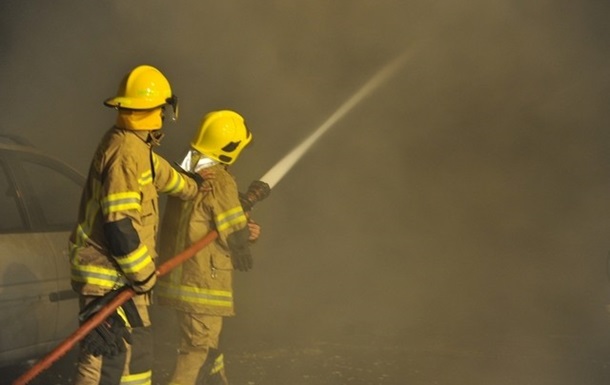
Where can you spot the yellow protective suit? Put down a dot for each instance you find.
(113, 243)
(200, 289)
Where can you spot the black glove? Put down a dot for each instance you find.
(242, 261)
(108, 338)
(241, 257)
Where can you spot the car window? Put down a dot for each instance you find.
(12, 219)
(57, 194)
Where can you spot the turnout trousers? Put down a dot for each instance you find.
(199, 361)
(133, 367)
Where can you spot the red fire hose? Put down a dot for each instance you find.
(257, 191)
(107, 310)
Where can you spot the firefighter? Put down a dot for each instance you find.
(200, 290)
(113, 243)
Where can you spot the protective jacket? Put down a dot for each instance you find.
(114, 240)
(203, 283)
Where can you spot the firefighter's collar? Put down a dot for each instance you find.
(195, 161)
(144, 136)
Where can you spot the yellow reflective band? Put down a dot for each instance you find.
(175, 184)
(95, 275)
(136, 261)
(121, 312)
(219, 364)
(232, 217)
(144, 378)
(121, 201)
(221, 298)
(145, 178)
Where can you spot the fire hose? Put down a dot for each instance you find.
(257, 191)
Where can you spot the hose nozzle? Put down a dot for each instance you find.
(257, 191)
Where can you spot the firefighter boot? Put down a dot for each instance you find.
(213, 370)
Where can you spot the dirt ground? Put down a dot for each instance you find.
(425, 360)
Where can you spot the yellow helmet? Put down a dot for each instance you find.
(144, 88)
(222, 136)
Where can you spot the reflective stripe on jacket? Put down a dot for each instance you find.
(203, 283)
(123, 181)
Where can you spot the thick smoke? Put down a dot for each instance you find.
(466, 200)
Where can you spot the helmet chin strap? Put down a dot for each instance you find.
(195, 161)
(155, 137)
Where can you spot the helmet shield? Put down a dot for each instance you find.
(173, 102)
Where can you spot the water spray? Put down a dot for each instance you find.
(281, 168)
(257, 191)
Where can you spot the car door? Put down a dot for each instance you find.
(37, 307)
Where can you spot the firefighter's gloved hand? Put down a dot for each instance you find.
(242, 261)
(241, 257)
(144, 286)
(108, 339)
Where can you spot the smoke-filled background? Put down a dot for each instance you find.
(465, 202)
